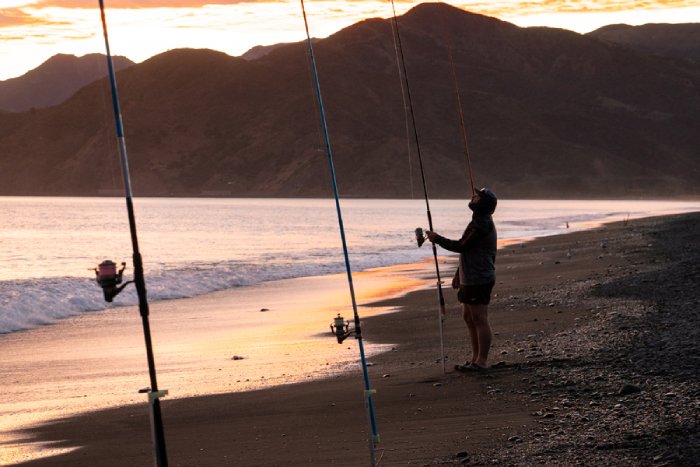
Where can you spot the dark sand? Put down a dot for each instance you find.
(576, 317)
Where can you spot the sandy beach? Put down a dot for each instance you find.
(595, 362)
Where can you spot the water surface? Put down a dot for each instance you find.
(194, 246)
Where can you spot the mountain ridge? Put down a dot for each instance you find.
(54, 81)
(678, 40)
(549, 113)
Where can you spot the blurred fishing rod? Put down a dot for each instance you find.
(160, 455)
(460, 112)
(419, 232)
(340, 330)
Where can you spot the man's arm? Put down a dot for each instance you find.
(456, 246)
(461, 245)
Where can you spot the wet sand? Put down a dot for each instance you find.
(234, 340)
(569, 314)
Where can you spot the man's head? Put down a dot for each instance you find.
(483, 201)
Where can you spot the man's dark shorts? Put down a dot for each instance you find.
(475, 294)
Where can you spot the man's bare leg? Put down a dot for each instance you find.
(471, 330)
(480, 319)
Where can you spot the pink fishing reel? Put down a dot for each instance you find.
(109, 278)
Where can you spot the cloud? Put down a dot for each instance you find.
(141, 4)
(529, 7)
(10, 17)
(13, 38)
(511, 6)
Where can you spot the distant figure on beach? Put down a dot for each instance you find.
(476, 275)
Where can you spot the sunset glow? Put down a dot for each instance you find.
(31, 31)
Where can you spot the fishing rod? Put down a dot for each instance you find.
(405, 113)
(373, 436)
(108, 277)
(419, 232)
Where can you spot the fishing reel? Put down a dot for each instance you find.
(341, 328)
(109, 278)
(420, 237)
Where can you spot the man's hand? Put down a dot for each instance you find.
(432, 236)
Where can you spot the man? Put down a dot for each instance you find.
(476, 275)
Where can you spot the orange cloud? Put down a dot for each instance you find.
(10, 17)
(530, 7)
(13, 38)
(139, 4)
(498, 6)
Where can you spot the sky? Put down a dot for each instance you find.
(31, 31)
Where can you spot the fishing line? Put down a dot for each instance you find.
(154, 395)
(373, 438)
(312, 96)
(441, 298)
(405, 106)
(103, 91)
(463, 127)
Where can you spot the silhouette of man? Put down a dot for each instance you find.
(476, 275)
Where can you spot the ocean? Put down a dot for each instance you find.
(242, 292)
(190, 247)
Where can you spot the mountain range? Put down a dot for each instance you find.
(54, 81)
(677, 40)
(548, 113)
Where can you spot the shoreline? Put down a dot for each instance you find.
(423, 416)
(97, 361)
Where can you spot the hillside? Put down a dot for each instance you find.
(674, 40)
(550, 113)
(54, 81)
(259, 51)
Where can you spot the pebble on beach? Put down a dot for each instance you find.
(629, 389)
